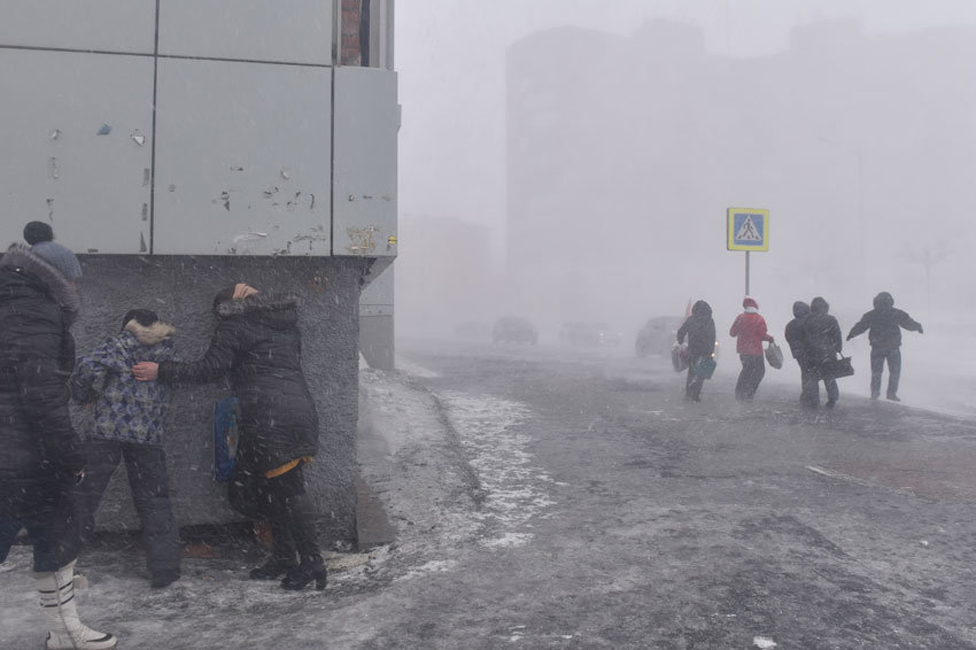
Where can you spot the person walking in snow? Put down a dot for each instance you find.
(700, 330)
(823, 343)
(796, 339)
(41, 459)
(749, 330)
(884, 324)
(128, 424)
(257, 344)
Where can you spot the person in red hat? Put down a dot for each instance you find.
(749, 330)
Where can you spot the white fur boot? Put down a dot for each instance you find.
(57, 595)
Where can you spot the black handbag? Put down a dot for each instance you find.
(836, 368)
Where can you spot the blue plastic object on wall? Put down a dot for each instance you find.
(226, 415)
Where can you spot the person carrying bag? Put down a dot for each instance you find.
(700, 330)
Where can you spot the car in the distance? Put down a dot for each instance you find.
(657, 336)
(514, 329)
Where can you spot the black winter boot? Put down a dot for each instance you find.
(273, 569)
(310, 569)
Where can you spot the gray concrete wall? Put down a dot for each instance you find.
(376, 341)
(180, 289)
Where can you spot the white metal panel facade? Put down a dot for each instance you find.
(291, 31)
(365, 175)
(242, 164)
(101, 25)
(76, 134)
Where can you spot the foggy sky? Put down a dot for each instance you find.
(450, 55)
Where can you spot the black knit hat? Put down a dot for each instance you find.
(38, 231)
(144, 317)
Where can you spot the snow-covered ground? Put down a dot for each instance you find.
(454, 474)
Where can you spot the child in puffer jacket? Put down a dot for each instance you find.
(128, 423)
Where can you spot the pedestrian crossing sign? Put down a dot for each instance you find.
(748, 229)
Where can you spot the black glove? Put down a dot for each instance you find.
(920, 329)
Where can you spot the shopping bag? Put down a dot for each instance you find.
(679, 357)
(836, 368)
(225, 432)
(705, 367)
(774, 355)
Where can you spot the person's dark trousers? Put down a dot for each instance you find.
(753, 370)
(833, 392)
(48, 515)
(694, 382)
(878, 358)
(38, 534)
(292, 512)
(809, 386)
(149, 482)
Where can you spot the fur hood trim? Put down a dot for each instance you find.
(64, 293)
(258, 302)
(155, 333)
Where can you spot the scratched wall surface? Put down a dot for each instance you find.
(205, 129)
(180, 289)
(243, 159)
(77, 154)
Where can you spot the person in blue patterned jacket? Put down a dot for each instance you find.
(128, 424)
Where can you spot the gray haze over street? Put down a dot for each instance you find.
(550, 497)
(571, 162)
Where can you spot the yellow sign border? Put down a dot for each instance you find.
(730, 227)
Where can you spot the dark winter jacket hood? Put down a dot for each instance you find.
(884, 300)
(885, 323)
(46, 277)
(40, 448)
(700, 330)
(821, 337)
(701, 309)
(257, 346)
(794, 329)
(259, 302)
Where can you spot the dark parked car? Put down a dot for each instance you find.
(657, 336)
(514, 329)
(586, 334)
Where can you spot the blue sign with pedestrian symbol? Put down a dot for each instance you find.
(748, 229)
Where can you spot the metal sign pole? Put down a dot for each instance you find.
(747, 230)
(747, 273)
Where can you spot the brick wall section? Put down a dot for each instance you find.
(349, 36)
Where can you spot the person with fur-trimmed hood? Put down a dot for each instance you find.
(41, 458)
(128, 424)
(257, 345)
(884, 324)
(749, 330)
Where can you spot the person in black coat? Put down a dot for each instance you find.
(257, 344)
(884, 324)
(700, 330)
(41, 457)
(796, 339)
(823, 342)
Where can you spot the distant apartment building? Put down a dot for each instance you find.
(624, 151)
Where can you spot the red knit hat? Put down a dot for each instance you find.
(749, 302)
